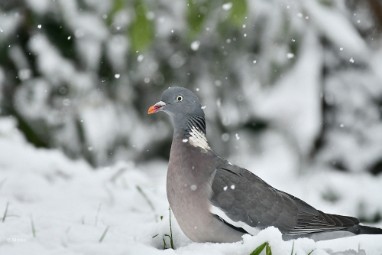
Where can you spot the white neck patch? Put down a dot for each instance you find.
(198, 139)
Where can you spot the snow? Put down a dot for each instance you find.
(90, 51)
(71, 206)
(337, 28)
(239, 74)
(53, 65)
(140, 58)
(117, 46)
(287, 62)
(105, 114)
(38, 6)
(290, 55)
(227, 6)
(357, 93)
(8, 25)
(302, 113)
(195, 45)
(169, 20)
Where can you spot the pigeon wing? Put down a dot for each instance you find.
(243, 200)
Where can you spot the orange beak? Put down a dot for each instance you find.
(156, 107)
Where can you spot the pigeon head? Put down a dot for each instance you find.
(184, 109)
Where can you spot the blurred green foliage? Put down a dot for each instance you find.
(141, 30)
(238, 12)
(196, 15)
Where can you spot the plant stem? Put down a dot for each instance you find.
(144, 195)
(103, 234)
(33, 228)
(171, 239)
(5, 212)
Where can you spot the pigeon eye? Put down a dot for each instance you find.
(179, 98)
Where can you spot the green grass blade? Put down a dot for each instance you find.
(145, 197)
(268, 250)
(171, 239)
(33, 227)
(5, 212)
(103, 234)
(291, 253)
(259, 249)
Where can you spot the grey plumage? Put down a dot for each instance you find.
(269, 206)
(215, 201)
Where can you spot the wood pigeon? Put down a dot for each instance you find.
(215, 201)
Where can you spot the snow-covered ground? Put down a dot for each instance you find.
(50, 204)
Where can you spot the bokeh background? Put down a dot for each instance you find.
(294, 85)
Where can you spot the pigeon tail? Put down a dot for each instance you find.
(359, 229)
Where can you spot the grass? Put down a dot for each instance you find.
(291, 253)
(144, 195)
(169, 236)
(268, 250)
(34, 232)
(2, 183)
(97, 214)
(103, 235)
(260, 248)
(5, 212)
(171, 239)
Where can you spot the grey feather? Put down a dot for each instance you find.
(260, 205)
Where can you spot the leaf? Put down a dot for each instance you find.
(197, 12)
(238, 11)
(268, 250)
(117, 6)
(259, 249)
(141, 30)
(291, 253)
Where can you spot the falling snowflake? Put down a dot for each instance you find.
(140, 58)
(195, 45)
(227, 6)
(290, 55)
